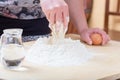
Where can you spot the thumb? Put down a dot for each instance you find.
(88, 40)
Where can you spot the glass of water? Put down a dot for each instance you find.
(12, 50)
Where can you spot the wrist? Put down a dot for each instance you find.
(83, 30)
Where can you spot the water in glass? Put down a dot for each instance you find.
(12, 49)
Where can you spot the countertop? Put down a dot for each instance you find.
(106, 62)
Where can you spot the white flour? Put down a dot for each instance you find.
(67, 53)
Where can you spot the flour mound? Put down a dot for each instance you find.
(67, 53)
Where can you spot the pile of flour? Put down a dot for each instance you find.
(66, 53)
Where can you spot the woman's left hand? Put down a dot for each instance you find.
(85, 35)
(55, 11)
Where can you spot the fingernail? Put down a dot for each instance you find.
(90, 42)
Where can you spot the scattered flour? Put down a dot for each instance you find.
(67, 53)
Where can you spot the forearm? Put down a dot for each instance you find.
(77, 14)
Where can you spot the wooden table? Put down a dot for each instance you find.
(106, 62)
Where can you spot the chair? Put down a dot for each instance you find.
(108, 12)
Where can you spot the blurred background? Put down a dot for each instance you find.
(95, 14)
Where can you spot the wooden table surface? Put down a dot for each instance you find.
(106, 62)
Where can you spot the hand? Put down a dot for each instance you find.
(55, 11)
(85, 35)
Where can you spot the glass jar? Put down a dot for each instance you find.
(12, 50)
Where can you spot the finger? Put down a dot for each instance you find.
(59, 17)
(104, 39)
(65, 15)
(52, 16)
(88, 39)
(108, 39)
